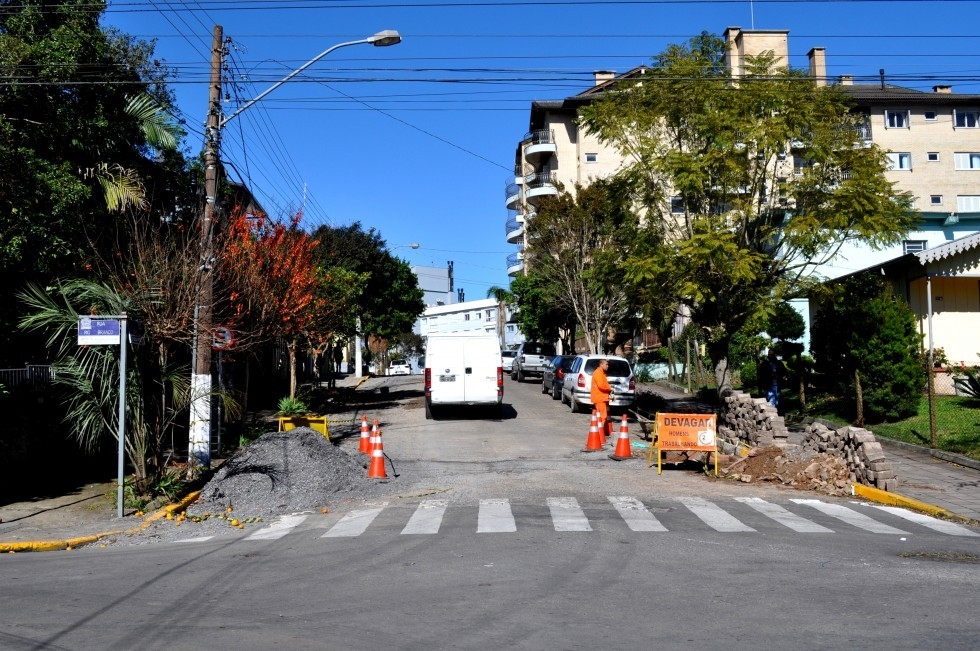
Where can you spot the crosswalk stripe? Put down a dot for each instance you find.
(567, 515)
(354, 523)
(636, 516)
(713, 515)
(850, 516)
(495, 516)
(278, 529)
(427, 517)
(782, 516)
(935, 524)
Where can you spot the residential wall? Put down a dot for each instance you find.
(955, 312)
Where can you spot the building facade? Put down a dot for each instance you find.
(931, 138)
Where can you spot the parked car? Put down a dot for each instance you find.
(554, 375)
(530, 360)
(578, 382)
(399, 367)
(507, 360)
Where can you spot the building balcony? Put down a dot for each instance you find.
(515, 230)
(540, 145)
(539, 184)
(515, 263)
(512, 195)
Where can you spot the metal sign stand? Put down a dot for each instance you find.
(101, 330)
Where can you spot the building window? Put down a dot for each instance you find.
(800, 165)
(967, 160)
(968, 203)
(966, 119)
(592, 158)
(936, 200)
(930, 116)
(897, 119)
(899, 161)
(913, 246)
(677, 205)
(489, 315)
(510, 328)
(933, 156)
(466, 317)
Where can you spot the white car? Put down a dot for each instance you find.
(507, 360)
(399, 367)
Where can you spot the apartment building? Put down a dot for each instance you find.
(483, 315)
(932, 140)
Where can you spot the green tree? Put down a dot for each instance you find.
(578, 242)
(72, 125)
(711, 162)
(391, 300)
(866, 342)
(538, 313)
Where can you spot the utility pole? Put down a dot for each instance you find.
(199, 447)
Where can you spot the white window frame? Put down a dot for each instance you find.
(935, 200)
(967, 160)
(934, 114)
(969, 116)
(896, 160)
(889, 113)
(914, 246)
(591, 158)
(932, 156)
(968, 203)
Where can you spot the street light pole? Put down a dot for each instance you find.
(199, 444)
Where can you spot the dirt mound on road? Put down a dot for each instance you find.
(824, 473)
(291, 471)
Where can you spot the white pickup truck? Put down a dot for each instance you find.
(531, 359)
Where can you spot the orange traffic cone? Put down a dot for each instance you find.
(365, 437)
(594, 442)
(623, 449)
(376, 469)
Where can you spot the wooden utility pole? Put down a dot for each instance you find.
(199, 448)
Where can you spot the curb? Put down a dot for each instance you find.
(950, 457)
(895, 499)
(71, 543)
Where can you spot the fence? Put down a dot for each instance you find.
(32, 377)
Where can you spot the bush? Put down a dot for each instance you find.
(749, 373)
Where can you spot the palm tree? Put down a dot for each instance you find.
(503, 297)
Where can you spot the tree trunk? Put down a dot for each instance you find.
(859, 421)
(718, 351)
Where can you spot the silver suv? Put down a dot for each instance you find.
(532, 357)
(577, 385)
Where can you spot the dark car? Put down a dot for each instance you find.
(554, 375)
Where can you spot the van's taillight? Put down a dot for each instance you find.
(500, 381)
(581, 381)
(632, 384)
(428, 381)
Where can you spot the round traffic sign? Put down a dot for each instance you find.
(223, 338)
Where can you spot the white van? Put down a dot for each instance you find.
(463, 368)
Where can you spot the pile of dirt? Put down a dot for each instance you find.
(292, 471)
(824, 473)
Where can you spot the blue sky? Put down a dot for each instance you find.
(417, 140)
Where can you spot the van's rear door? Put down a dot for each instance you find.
(448, 370)
(482, 359)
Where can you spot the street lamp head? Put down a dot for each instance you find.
(385, 38)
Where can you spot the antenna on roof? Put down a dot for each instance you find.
(881, 73)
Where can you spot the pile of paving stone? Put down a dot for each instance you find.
(751, 420)
(858, 448)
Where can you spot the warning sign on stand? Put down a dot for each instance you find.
(685, 432)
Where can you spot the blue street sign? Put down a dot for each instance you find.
(97, 332)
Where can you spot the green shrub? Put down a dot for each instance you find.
(292, 407)
(969, 385)
(749, 373)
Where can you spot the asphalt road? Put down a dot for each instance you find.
(513, 537)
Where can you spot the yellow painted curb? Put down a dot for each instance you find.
(71, 543)
(894, 499)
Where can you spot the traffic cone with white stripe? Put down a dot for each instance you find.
(623, 449)
(594, 442)
(376, 469)
(365, 437)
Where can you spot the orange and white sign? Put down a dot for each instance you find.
(686, 431)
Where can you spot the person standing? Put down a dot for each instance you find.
(600, 393)
(772, 374)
